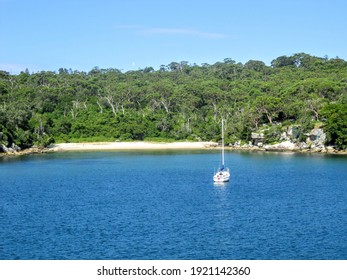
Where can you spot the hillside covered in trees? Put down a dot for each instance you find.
(180, 101)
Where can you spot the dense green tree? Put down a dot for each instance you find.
(269, 105)
(336, 124)
(179, 101)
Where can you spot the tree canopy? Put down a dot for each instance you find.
(179, 101)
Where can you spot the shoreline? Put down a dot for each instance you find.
(138, 145)
(145, 146)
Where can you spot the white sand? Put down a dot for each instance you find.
(131, 146)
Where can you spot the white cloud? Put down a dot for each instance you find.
(170, 31)
(183, 31)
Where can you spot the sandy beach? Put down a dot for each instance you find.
(137, 146)
(130, 146)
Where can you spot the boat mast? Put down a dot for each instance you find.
(222, 143)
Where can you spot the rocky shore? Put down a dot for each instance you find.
(286, 147)
(314, 143)
(24, 152)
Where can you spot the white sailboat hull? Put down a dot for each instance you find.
(221, 176)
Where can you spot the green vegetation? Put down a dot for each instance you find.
(336, 124)
(179, 101)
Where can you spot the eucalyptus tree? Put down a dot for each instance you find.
(336, 124)
(160, 95)
(269, 105)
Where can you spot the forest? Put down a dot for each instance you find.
(179, 101)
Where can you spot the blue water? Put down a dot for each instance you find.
(164, 205)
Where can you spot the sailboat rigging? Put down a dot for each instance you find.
(223, 173)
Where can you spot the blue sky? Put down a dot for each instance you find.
(133, 34)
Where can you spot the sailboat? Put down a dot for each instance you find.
(223, 173)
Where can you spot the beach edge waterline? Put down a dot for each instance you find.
(138, 145)
(148, 146)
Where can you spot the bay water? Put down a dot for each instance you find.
(164, 205)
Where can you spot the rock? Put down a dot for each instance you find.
(284, 136)
(15, 148)
(237, 143)
(330, 149)
(294, 132)
(3, 148)
(291, 134)
(283, 146)
(257, 139)
(249, 145)
(316, 138)
(211, 144)
(303, 146)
